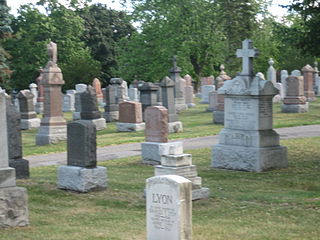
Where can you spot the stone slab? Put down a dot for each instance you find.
(295, 108)
(51, 134)
(21, 166)
(177, 160)
(30, 123)
(218, 117)
(7, 177)
(130, 127)
(200, 193)
(151, 152)
(13, 207)
(81, 179)
(175, 127)
(250, 159)
(184, 171)
(99, 123)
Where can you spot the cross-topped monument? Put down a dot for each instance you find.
(247, 53)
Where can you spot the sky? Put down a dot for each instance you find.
(275, 9)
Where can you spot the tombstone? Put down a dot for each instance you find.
(15, 141)
(81, 173)
(29, 118)
(123, 91)
(189, 96)
(148, 95)
(308, 76)
(207, 81)
(13, 199)
(53, 125)
(248, 142)
(40, 98)
(218, 107)
(130, 117)
(156, 136)
(69, 101)
(89, 109)
(295, 101)
(33, 89)
(272, 73)
(284, 74)
(169, 208)
(159, 94)
(296, 73)
(205, 90)
(168, 101)
(213, 98)
(188, 79)
(316, 79)
(80, 88)
(133, 94)
(111, 109)
(179, 86)
(96, 84)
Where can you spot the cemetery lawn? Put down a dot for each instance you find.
(196, 123)
(279, 204)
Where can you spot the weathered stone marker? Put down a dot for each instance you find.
(248, 141)
(169, 208)
(28, 115)
(130, 117)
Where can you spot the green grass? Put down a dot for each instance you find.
(280, 204)
(196, 123)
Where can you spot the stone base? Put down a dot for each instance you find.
(252, 159)
(81, 179)
(51, 134)
(111, 116)
(30, 123)
(295, 108)
(39, 107)
(200, 193)
(175, 127)
(183, 171)
(218, 117)
(100, 123)
(21, 166)
(76, 116)
(7, 177)
(130, 127)
(151, 152)
(13, 207)
(191, 105)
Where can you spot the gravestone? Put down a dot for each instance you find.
(15, 141)
(284, 74)
(89, 109)
(80, 88)
(308, 76)
(248, 141)
(82, 174)
(69, 101)
(111, 108)
(272, 73)
(156, 136)
(205, 90)
(33, 89)
(159, 94)
(53, 125)
(213, 95)
(189, 96)
(188, 79)
(148, 95)
(40, 98)
(96, 84)
(179, 83)
(123, 91)
(296, 73)
(133, 94)
(316, 79)
(29, 118)
(295, 101)
(13, 199)
(130, 117)
(169, 208)
(168, 101)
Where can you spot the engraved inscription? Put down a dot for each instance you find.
(239, 139)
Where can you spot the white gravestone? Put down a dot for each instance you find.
(284, 74)
(169, 208)
(205, 90)
(33, 89)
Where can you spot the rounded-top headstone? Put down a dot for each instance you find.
(296, 73)
(81, 87)
(156, 118)
(130, 112)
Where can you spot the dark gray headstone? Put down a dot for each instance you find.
(25, 98)
(14, 142)
(148, 95)
(168, 101)
(89, 105)
(111, 99)
(82, 144)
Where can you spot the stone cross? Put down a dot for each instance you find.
(52, 52)
(247, 53)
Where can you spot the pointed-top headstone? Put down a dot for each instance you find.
(247, 53)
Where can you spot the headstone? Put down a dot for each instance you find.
(13, 199)
(205, 90)
(189, 96)
(80, 88)
(29, 118)
(295, 101)
(33, 89)
(248, 141)
(82, 174)
(168, 101)
(213, 98)
(69, 101)
(179, 86)
(159, 94)
(89, 109)
(111, 109)
(53, 125)
(40, 98)
(123, 91)
(284, 74)
(169, 208)
(96, 84)
(272, 73)
(130, 117)
(148, 95)
(188, 79)
(133, 94)
(296, 73)
(156, 135)
(308, 76)
(15, 141)
(316, 79)
(207, 81)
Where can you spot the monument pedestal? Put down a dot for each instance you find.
(82, 179)
(51, 134)
(30, 123)
(130, 127)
